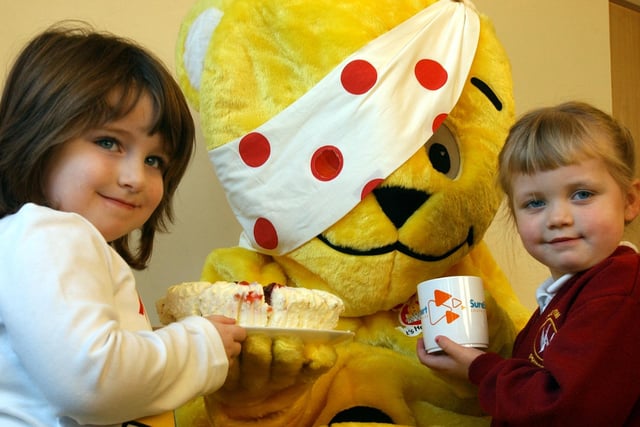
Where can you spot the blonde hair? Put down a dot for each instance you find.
(551, 137)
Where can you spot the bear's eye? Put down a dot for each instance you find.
(443, 152)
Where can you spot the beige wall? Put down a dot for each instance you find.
(559, 50)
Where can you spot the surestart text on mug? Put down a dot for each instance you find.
(477, 304)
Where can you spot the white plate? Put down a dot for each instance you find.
(319, 336)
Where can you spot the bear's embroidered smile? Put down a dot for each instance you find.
(400, 247)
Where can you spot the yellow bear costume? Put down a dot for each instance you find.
(241, 63)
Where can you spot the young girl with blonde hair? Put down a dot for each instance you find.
(569, 175)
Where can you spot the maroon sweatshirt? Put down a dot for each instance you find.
(578, 362)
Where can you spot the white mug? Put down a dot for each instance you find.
(453, 306)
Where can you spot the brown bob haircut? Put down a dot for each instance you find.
(60, 87)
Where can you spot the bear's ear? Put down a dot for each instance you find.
(194, 40)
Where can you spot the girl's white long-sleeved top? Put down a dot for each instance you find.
(76, 345)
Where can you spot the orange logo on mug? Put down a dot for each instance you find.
(442, 307)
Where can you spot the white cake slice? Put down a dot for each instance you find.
(241, 301)
(181, 300)
(308, 308)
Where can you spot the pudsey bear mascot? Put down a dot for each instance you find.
(357, 143)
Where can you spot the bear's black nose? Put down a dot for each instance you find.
(399, 203)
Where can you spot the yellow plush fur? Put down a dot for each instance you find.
(260, 56)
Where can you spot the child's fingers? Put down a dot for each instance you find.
(239, 334)
(216, 318)
(447, 345)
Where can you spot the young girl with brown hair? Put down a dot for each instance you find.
(95, 136)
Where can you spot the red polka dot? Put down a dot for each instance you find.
(326, 163)
(430, 74)
(358, 77)
(369, 187)
(265, 234)
(254, 149)
(440, 118)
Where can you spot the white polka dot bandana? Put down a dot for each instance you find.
(307, 167)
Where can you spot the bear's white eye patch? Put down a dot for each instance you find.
(443, 152)
(197, 43)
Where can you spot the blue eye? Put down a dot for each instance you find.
(582, 195)
(106, 143)
(534, 204)
(156, 162)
